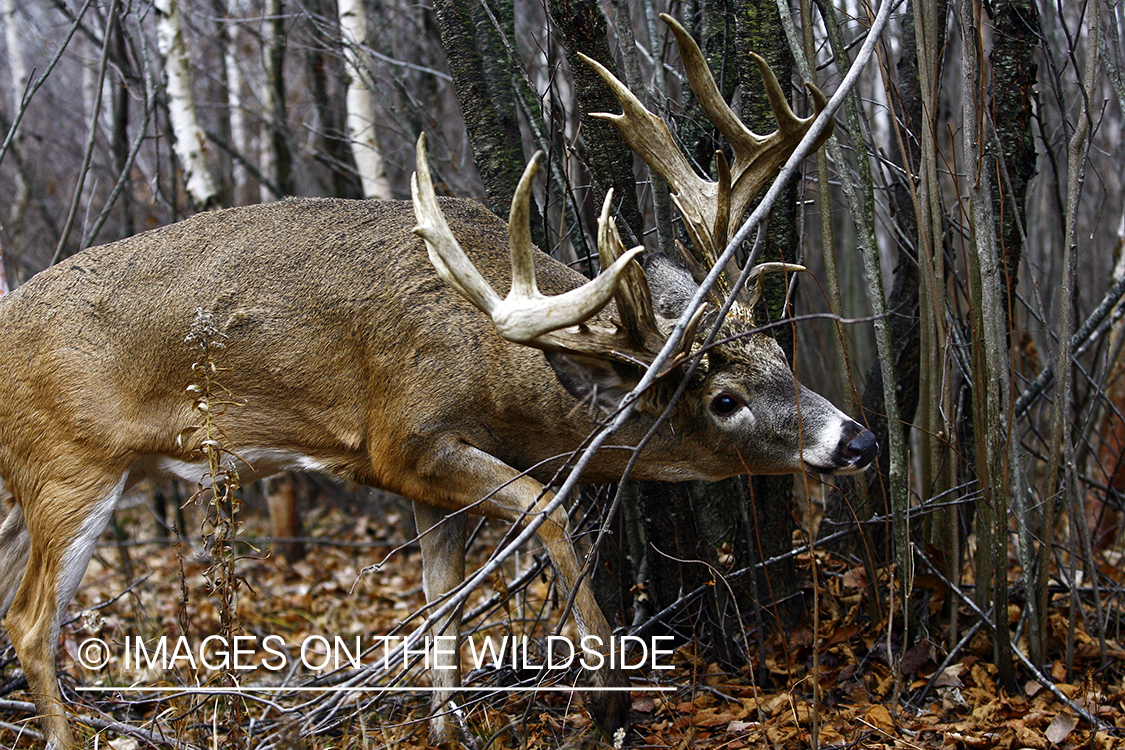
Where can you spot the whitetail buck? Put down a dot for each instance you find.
(350, 355)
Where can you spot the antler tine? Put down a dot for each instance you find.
(525, 316)
(787, 119)
(710, 209)
(758, 272)
(519, 235)
(649, 137)
(687, 342)
(755, 166)
(756, 158)
(707, 91)
(633, 297)
(445, 252)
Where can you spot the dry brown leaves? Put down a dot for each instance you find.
(844, 683)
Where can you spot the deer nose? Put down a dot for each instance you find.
(861, 450)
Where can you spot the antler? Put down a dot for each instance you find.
(634, 298)
(526, 316)
(711, 208)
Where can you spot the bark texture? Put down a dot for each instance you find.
(582, 28)
(191, 145)
(481, 74)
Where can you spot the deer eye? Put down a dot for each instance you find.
(725, 404)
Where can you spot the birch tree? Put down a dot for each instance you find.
(360, 105)
(238, 134)
(191, 144)
(17, 69)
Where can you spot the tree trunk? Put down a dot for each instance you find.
(277, 162)
(758, 29)
(119, 137)
(481, 70)
(1013, 68)
(324, 67)
(360, 103)
(991, 374)
(843, 506)
(582, 28)
(236, 121)
(191, 144)
(1014, 75)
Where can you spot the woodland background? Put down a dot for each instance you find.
(964, 228)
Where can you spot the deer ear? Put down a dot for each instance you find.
(601, 382)
(672, 286)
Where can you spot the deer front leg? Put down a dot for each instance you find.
(609, 708)
(470, 477)
(442, 538)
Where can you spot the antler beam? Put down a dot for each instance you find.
(710, 208)
(526, 316)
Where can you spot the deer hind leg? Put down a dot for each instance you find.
(15, 546)
(479, 480)
(61, 530)
(442, 537)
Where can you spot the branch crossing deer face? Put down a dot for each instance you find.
(346, 353)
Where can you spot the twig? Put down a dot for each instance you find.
(26, 100)
(92, 136)
(126, 168)
(1034, 671)
(1078, 341)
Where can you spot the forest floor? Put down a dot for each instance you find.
(859, 700)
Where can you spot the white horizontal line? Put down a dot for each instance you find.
(373, 689)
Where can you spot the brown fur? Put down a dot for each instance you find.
(343, 347)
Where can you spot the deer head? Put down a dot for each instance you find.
(743, 401)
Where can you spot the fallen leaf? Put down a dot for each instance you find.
(1061, 726)
(878, 716)
(950, 676)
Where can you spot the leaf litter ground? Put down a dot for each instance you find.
(848, 684)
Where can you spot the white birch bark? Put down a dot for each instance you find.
(17, 69)
(239, 137)
(191, 144)
(360, 105)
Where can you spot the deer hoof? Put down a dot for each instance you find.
(450, 730)
(610, 711)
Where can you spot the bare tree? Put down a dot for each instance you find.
(277, 160)
(361, 126)
(191, 145)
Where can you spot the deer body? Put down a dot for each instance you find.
(354, 343)
(351, 356)
(348, 354)
(344, 352)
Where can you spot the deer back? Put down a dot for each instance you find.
(340, 342)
